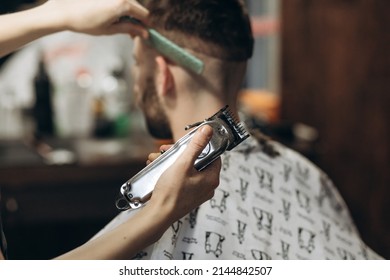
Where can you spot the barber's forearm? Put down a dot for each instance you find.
(125, 241)
(20, 28)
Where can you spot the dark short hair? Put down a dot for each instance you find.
(218, 28)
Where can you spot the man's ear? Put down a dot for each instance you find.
(164, 77)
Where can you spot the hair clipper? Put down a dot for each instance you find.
(227, 134)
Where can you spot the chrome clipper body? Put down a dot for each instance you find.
(227, 134)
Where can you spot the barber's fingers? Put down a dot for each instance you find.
(136, 10)
(198, 142)
(153, 156)
(129, 28)
(165, 147)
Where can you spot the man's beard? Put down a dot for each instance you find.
(156, 119)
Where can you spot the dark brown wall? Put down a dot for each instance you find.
(335, 77)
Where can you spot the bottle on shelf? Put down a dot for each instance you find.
(43, 107)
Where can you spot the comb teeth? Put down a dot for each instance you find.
(241, 131)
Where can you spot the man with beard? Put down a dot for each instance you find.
(179, 189)
(271, 203)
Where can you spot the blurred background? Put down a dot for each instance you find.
(70, 134)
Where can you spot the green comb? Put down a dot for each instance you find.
(169, 49)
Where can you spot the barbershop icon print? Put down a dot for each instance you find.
(266, 179)
(241, 226)
(213, 244)
(306, 239)
(176, 228)
(286, 211)
(219, 200)
(260, 255)
(285, 247)
(243, 190)
(264, 220)
(303, 200)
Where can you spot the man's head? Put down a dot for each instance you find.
(218, 28)
(216, 31)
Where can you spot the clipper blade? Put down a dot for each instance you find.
(237, 129)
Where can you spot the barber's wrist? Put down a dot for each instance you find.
(47, 18)
(160, 215)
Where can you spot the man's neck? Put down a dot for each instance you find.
(190, 111)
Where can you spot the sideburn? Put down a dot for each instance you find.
(156, 118)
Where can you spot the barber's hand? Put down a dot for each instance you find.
(153, 156)
(98, 17)
(181, 188)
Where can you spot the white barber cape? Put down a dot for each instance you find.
(265, 207)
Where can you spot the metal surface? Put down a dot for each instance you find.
(227, 134)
